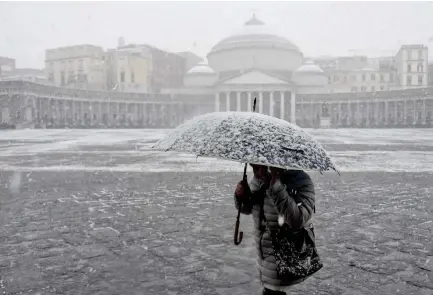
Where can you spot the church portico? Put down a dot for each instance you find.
(273, 103)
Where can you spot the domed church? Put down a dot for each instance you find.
(256, 62)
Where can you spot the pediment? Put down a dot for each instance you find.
(253, 78)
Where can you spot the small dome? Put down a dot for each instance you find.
(309, 67)
(201, 68)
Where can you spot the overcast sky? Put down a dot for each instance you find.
(318, 28)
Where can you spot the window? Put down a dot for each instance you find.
(382, 78)
(51, 77)
(329, 80)
(363, 78)
(373, 89)
(345, 78)
(382, 87)
(409, 55)
(335, 78)
(122, 77)
(420, 80)
(373, 77)
(409, 80)
(420, 55)
(409, 68)
(80, 63)
(420, 68)
(71, 76)
(354, 78)
(132, 77)
(363, 89)
(354, 89)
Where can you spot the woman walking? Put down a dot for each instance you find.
(275, 197)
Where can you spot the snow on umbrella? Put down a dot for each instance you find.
(248, 138)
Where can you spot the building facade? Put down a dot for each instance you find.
(129, 69)
(360, 80)
(80, 66)
(430, 74)
(412, 66)
(7, 65)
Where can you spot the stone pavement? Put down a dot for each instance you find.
(171, 233)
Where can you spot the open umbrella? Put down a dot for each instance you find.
(248, 138)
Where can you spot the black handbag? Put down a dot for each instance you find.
(294, 250)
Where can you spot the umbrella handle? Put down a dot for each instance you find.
(238, 235)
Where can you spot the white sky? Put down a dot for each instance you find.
(318, 28)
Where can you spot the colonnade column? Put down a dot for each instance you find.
(238, 101)
(424, 112)
(386, 111)
(367, 110)
(396, 103)
(349, 112)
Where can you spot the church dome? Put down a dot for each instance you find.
(201, 69)
(254, 33)
(200, 76)
(309, 68)
(310, 78)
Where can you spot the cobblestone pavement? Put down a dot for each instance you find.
(171, 233)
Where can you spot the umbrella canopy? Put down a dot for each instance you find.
(248, 138)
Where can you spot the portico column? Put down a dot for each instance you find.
(250, 108)
(271, 103)
(217, 102)
(261, 102)
(340, 114)
(293, 108)
(228, 101)
(282, 105)
(405, 111)
(238, 101)
(414, 112)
